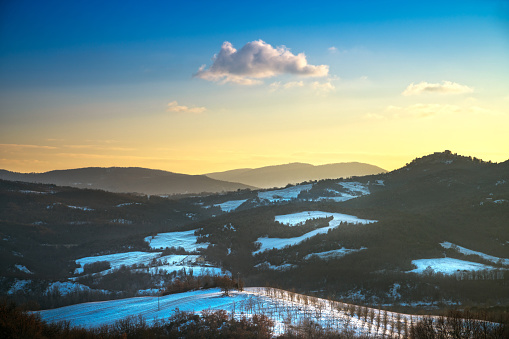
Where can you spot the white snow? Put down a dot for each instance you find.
(67, 287)
(121, 221)
(279, 305)
(284, 194)
(279, 243)
(23, 268)
(466, 251)
(300, 218)
(334, 254)
(268, 266)
(118, 259)
(355, 187)
(499, 201)
(128, 204)
(380, 182)
(80, 208)
(447, 265)
(35, 192)
(185, 239)
(178, 259)
(19, 285)
(96, 314)
(231, 205)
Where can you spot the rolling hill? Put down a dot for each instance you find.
(130, 179)
(281, 175)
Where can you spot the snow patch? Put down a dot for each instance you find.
(355, 187)
(118, 259)
(231, 205)
(447, 266)
(334, 254)
(128, 204)
(19, 285)
(466, 251)
(121, 221)
(67, 287)
(268, 266)
(185, 239)
(23, 269)
(284, 194)
(279, 243)
(83, 208)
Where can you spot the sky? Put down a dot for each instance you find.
(200, 86)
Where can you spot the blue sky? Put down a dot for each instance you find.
(83, 75)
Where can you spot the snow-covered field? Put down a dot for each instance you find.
(185, 239)
(118, 259)
(447, 265)
(284, 194)
(296, 218)
(334, 254)
(355, 187)
(466, 251)
(231, 205)
(349, 190)
(278, 305)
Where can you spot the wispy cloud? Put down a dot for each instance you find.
(175, 107)
(257, 60)
(21, 146)
(100, 147)
(446, 87)
(287, 85)
(323, 87)
(423, 110)
(333, 49)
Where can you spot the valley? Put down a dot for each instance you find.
(425, 238)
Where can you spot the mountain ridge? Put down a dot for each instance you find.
(128, 179)
(296, 172)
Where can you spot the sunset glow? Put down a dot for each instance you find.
(197, 88)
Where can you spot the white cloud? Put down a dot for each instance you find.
(292, 84)
(288, 85)
(257, 60)
(175, 107)
(323, 87)
(333, 49)
(446, 87)
(423, 110)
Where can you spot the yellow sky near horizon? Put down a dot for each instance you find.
(389, 139)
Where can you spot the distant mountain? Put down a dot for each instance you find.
(130, 179)
(281, 175)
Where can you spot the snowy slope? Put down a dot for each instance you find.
(118, 259)
(185, 239)
(284, 194)
(466, 251)
(278, 305)
(447, 265)
(231, 205)
(334, 254)
(295, 218)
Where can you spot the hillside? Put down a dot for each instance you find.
(130, 179)
(431, 234)
(281, 175)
